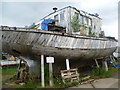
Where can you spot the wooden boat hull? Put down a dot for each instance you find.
(34, 43)
(67, 53)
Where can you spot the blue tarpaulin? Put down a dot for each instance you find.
(44, 24)
(117, 66)
(114, 65)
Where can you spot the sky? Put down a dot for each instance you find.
(23, 13)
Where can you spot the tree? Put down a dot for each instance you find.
(83, 30)
(90, 31)
(75, 23)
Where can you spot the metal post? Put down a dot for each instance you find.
(67, 64)
(96, 63)
(42, 71)
(50, 74)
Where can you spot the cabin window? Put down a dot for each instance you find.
(89, 21)
(62, 16)
(85, 20)
(94, 27)
(77, 15)
(56, 17)
(82, 19)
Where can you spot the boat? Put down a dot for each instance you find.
(56, 38)
(30, 42)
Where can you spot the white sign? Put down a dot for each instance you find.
(50, 59)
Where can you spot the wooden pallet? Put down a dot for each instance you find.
(69, 76)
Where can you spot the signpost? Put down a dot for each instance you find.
(50, 60)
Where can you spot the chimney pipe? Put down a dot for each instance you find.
(55, 9)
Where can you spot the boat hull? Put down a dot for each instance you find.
(35, 43)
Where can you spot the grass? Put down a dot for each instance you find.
(101, 73)
(30, 84)
(8, 75)
(8, 72)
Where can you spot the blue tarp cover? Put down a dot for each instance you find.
(44, 24)
(114, 65)
(117, 66)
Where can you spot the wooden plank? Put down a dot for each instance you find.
(26, 37)
(22, 39)
(110, 44)
(69, 43)
(49, 41)
(81, 43)
(71, 76)
(15, 35)
(74, 44)
(11, 36)
(62, 42)
(3, 36)
(53, 41)
(77, 43)
(43, 39)
(36, 38)
(70, 70)
(72, 39)
(31, 37)
(86, 43)
(57, 41)
(40, 39)
(94, 45)
(52, 44)
(89, 44)
(7, 36)
(107, 44)
(65, 42)
(46, 40)
(17, 38)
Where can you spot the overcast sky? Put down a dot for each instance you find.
(25, 13)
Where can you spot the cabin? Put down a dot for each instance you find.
(73, 21)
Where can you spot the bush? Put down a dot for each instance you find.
(101, 73)
(98, 72)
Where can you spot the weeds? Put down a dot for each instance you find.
(98, 71)
(59, 83)
(101, 73)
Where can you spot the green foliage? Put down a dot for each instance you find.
(101, 73)
(59, 83)
(3, 57)
(101, 35)
(9, 70)
(71, 84)
(98, 71)
(90, 31)
(47, 74)
(30, 84)
(75, 83)
(75, 23)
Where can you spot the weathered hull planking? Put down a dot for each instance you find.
(32, 43)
